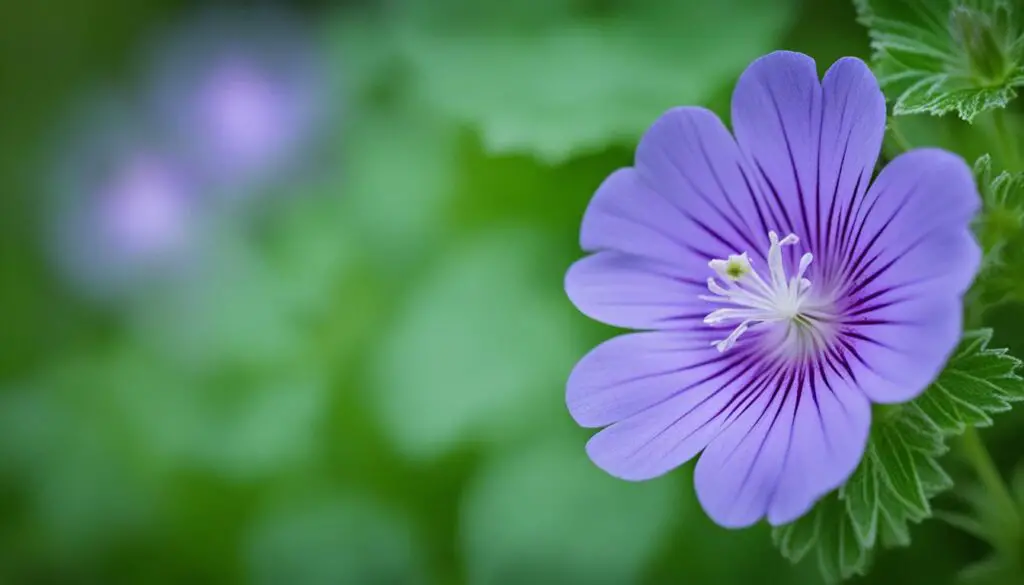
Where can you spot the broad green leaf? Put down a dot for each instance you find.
(85, 490)
(941, 56)
(229, 422)
(247, 428)
(399, 181)
(481, 348)
(327, 540)
(261, 296)
(549, 80)
(900, 471)
(546, 514)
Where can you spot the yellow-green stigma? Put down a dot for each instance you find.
(735, 269)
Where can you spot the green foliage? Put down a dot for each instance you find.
(999, 231)
(941, 56)
(462, 359)
(544, 514)
(53, 436)
(900, 471)
(1003, 198)
(546, 79)
(399, 181)
(254, 297)
(361, 540)
(994, 515)
(418, 279)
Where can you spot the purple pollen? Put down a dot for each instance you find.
(778, 289)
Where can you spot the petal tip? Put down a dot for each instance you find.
(619, 464)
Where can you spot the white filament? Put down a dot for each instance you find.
(754, 300)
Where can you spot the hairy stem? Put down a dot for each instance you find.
(1007, 142)
(898, 138)
(975, 453)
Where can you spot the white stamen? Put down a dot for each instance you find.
(755, 301)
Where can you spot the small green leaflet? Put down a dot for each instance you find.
(900, 472)
(1003, 198)
(941, 56)
(999, 232)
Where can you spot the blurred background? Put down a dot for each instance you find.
(281, 296)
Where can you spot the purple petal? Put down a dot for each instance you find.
(906, 347)
(680, 419)
(921, 195)
(792, 438)
(625, 215)
(830, 433)
(907, 270)
(630, 373)
(687, 200)
(776, 115)
(635, 292)
(852, 127)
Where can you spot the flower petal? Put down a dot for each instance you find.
(904, 348)
(793, 436)
(689, 196)
(683, 415)
(914, 214)
(627, 216)
(630, 373)
(852, 128)
(829, 435)
(635, 292)
(776, 115)
(909, 260)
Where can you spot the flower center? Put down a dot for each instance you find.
(754, 299)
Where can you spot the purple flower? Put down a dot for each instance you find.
(780, 294)
(242, 93)
(142, 208)
(123, 211)
(125, 223)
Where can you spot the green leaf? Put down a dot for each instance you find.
(797, 539)
(543, 78)
(325, 540)
(479, 351)
(252, 301)
(993, 570)
(85, 490)
(545, 514)
(942, 56)
(900, 471)
(399, 182)
(999, 231)
(829, 532)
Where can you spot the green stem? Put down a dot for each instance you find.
(897, 136)
(1007, 142)
(977, 455)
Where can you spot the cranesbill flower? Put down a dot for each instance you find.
(243, 94)
(123, 210)
(780, 293)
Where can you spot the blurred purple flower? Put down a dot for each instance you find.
(766, 352)
(124, 208)
(242, 95)
(141, 208)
